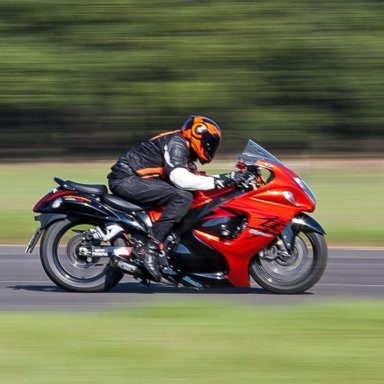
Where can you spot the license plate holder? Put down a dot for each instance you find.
(34, 239)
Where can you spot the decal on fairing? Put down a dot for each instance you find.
(76, 198)
(268, 227)
(271, 225)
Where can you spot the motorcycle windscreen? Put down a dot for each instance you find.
(254, 152)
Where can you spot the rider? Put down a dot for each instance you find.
(159, 172)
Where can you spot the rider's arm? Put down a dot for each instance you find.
(182, 178)
(176, 155)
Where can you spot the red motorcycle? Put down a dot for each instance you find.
(91, 238)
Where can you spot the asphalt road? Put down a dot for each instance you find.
(350, 275)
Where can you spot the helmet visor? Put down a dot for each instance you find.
(210, 142)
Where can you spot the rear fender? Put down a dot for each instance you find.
(300, 223)
(46, 219)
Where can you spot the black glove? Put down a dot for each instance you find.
(192, 167)
(223, 181)
(233, 178)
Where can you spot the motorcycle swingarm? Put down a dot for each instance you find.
(96, 252)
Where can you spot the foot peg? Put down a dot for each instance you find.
(190, 283)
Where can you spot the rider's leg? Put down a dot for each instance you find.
(150, 193)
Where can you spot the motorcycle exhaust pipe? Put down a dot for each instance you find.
(119, 255)
(126, 267)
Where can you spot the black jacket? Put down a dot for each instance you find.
(156, 157)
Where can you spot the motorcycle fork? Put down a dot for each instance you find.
(282, 251)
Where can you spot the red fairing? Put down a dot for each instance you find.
(267, 210)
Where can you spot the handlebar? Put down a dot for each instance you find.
(252, 178)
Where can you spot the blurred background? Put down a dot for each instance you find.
(82, 81)
(89, 78)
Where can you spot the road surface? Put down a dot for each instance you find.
(350, 275)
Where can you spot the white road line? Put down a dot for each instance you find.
(350, 285)
(23, 282)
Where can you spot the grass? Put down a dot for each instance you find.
(349, 207)
(196, 342)
(350, 204)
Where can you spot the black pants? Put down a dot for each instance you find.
(150, 193)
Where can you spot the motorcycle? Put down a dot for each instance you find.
(257, 230)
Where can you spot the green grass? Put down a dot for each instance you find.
(350, 204)
(196, 343)
(24, 184)
(349, 207)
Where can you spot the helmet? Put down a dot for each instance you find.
(204, 136)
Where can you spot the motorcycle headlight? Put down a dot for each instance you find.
(306, 189)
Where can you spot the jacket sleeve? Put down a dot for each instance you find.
(176, 155)
(183, 179)
(177, 158)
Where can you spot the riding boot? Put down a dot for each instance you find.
(151, 259)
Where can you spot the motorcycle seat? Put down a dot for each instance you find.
(92, 189)
(121, 204)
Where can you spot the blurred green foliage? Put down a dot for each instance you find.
(94, 76)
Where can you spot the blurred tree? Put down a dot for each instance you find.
(92, 77)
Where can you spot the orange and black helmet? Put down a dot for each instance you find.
(204, 136)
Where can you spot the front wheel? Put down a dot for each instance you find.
(67, 268)
(295, 273)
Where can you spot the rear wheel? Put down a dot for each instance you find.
(293, 273)
(60, 257)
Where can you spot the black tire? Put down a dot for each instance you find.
(69, 271)
(296, 274)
